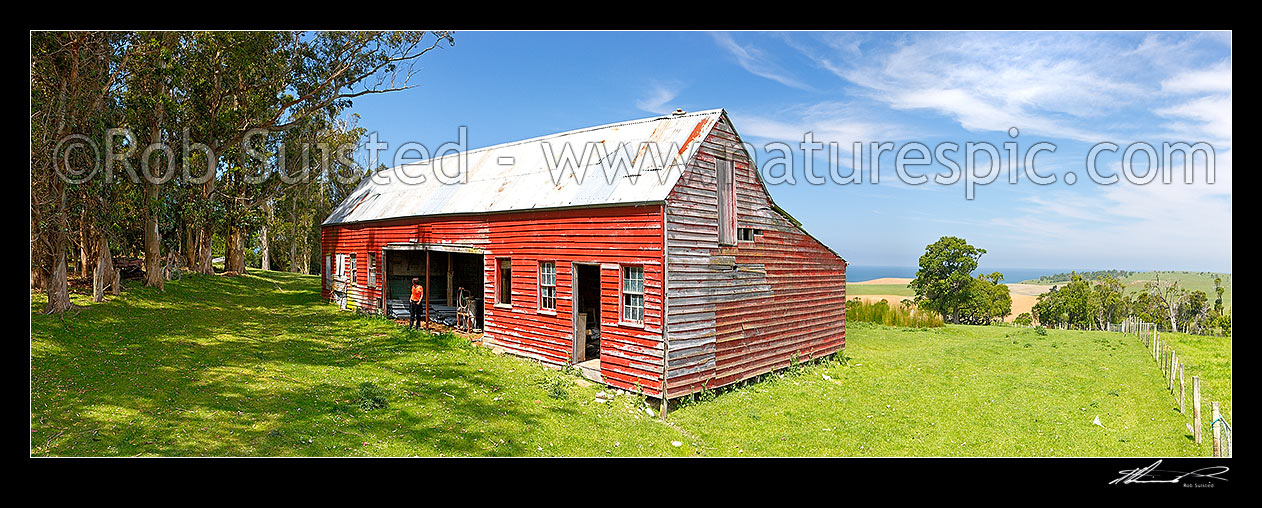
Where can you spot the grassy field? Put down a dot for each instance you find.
(257, 365)
(1203, 356)
(879, 289)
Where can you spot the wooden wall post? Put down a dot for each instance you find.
(1196, 409)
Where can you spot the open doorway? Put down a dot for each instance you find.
(587, 314)
(452, 276)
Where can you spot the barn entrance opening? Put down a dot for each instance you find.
(453, 288)
(587, 318)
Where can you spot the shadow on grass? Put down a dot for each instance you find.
(256, 365)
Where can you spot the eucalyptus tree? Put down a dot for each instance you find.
(251, 83)
(74, 78)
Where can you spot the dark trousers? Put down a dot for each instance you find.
(416, 311)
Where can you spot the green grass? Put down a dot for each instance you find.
(1203, 356)
(257, 365)
(879, 289)
(958, 391)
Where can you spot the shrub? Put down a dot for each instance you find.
(372, 397)
(1040, 330)
(555, 386)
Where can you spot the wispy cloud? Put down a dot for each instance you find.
(1216, 79)
(658, 98)
(1045, 84)
(1082, 88)
(757, 62)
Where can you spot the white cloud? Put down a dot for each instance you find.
(659, 98)
(989, 82)
(1215, 79)
(757, 62)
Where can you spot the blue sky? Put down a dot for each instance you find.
(1072, 89)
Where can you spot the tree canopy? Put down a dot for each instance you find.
(174, 145)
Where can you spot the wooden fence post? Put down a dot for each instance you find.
(1174, 361)
(1182, 391)
(1196, 409)
(1215, 426)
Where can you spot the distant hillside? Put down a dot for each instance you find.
(1134, 281)
(1066, 277)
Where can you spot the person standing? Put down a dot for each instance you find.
(418, 296)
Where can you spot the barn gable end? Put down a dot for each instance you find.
(735, 312)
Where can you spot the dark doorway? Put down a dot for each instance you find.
(586, 312)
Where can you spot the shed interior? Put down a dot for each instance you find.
(449, 273)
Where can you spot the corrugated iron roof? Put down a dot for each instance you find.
(524, 175)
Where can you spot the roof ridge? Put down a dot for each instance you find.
(536, 139)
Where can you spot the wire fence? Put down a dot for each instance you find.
(1173, 372)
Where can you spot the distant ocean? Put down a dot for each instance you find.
(857, 273)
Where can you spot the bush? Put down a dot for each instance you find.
(1040, 330)
(372, 397)
(1024, 319)
(555, 386)
(904, 314)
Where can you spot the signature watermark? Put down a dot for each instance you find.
(79, 158)
(1202, 477)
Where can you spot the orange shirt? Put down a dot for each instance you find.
(418, 292)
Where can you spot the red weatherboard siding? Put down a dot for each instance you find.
(612, 236)
(727, 325)
(729, 313)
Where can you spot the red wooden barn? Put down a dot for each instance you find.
(656, 260)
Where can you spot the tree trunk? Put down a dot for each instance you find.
(153, 241)
(85, 243)
(293, 254)
(234, 259)
(104, 274)
(306, 257)
(190, 246)
(58, 287)
(202, 263)
(293, 233)
(264, 247)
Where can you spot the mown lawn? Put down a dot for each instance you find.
(257, 365)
